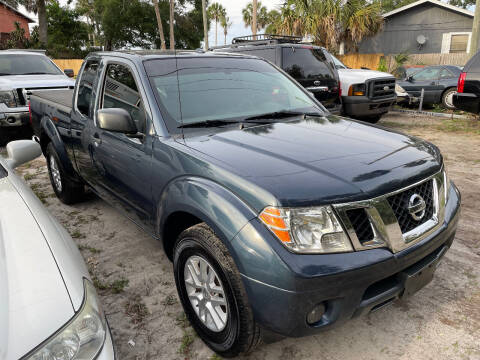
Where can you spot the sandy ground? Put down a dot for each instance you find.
(136, 284)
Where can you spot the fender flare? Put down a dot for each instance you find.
(207, 200)
(49, 129)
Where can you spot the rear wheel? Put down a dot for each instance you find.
(212, 293)
(447, 98)
(66, 189)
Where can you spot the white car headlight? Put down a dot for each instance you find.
(9, 98)
(307, 230)
(82, 338)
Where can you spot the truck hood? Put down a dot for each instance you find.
(34, 81)
(322, 160)
(358, 76)
(34, 302)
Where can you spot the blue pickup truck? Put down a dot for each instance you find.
(279, 218)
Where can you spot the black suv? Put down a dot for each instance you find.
(310, 65)
(468, 89)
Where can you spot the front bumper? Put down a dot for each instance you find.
(19, 117)
(362, 106)
(349, 284)
(467, 101)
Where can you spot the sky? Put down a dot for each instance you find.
(234, 12)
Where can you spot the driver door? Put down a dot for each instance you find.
(123, 163)
(428, 79)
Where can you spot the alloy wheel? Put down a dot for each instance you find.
(57, 179)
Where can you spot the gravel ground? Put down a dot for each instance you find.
(136, 284)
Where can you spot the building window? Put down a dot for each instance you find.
(457, 42)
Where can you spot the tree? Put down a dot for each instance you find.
(205, 24)
(38, 7)
(330, 22)
(261, 19)
(273, 17)
(389, 5)
(67, 34)
(225, 24)
(216, 12)
(159, 23)
(172, 36)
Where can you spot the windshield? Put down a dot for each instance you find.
(223, 88)
(22, 64)
(338, 63)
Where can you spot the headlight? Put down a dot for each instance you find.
(399, 89)
(9, 98)
(356, 90)
(82, 338)
(307, 230)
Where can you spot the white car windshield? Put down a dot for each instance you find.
(24, 64)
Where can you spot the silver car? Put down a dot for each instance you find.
(49, 308)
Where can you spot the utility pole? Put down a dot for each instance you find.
(475, 29)
(254, 18)
(172, 36)
(205, 25)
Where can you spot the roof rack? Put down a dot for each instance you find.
(267, 37)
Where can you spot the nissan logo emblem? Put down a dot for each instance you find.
(416, 207)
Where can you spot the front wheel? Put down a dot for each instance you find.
(447, 98)
(66, 189)
(212, 293)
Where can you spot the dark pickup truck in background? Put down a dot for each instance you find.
(279, 217)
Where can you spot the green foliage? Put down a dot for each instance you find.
(262, 15)
(462, 3)
(389, 5)
(382, 65)
(67, 34)
(17, 38)
(400, 60)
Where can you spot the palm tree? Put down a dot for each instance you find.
(330, 22)
(225, 23)
(160, 26)
(205, 24)
(216, 12)
(38, 7)
(261, 16)
(254, 18)
(172, 37)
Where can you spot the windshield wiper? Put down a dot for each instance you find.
(281, 115)
(35, 73)
(209, 123)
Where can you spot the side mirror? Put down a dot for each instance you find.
(116, 120)
(69, 73)
(409, 78)
(22, 151)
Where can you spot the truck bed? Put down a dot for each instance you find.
(61, 99)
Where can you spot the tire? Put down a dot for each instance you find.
(240, 333)
(447, 98)
(373, 119)
(67, 190)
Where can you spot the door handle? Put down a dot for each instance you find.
(96, 139)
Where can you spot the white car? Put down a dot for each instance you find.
(366, 94)
(49, 308)
(22, 73)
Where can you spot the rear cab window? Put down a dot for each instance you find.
(306, 63)
(85, 92)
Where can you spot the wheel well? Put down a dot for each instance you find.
(449, 88)
(44, 140)
(174, 225)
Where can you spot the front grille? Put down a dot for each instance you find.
(377, 88)
(361, 224)
(399, 204)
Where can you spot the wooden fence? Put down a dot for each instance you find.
(357, 61)
(73, 64)
(371, 61)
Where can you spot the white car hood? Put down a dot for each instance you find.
(358, 76)
(34, 302)
(10, 82)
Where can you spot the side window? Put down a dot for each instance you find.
(427, 74)
(120, 91)
(85, 88)
(445, 74)
(267, 54)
